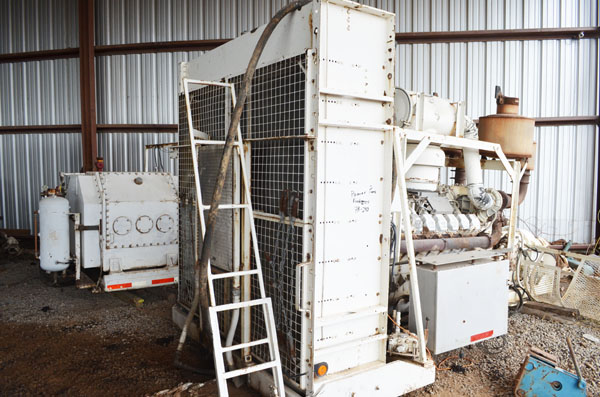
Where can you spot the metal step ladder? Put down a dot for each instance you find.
(265, 302)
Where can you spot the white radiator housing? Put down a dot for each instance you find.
(318, 122)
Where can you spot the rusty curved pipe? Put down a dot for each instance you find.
(523, 187)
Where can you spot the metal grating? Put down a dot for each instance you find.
(276, 166)
(208, 116)
(281, 250)
(584, 290)
(273, 121)
(272, 125)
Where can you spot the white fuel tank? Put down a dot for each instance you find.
(54, 233)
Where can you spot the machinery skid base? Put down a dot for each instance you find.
(140, 279)
(386, 380)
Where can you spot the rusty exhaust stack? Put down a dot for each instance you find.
(513, 132)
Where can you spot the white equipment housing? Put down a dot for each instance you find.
(128, 223)
(318, 123)
(54, 227)
(464, 298)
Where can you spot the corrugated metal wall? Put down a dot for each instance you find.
(552, 78)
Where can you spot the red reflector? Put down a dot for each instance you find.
(483, 335)
(163, 280)
(119, 286)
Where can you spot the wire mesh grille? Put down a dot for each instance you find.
(273, 124)
(275, 106)
(208, 105)
(581, 288)
(280, 247)
(584, 291)
(272, 117)
(273, 121)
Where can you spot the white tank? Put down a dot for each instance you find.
(425, 173)
(54, 233)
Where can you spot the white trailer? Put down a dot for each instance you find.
(124, 225)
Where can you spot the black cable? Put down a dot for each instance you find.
(520, 295)
(394, 234)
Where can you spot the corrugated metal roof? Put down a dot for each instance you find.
(552, 78)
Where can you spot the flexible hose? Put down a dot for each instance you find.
(235, 317)
(201, 266)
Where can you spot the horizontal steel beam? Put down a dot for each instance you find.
(401, 38)
(172, 128)
(498, 35)
(76, 128)
(572, 120)
(25, 233)
(39, 55)
(565, 120)
(116, 49)
(165, 46)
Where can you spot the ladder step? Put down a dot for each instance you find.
(243, 345)
(239, 305)
(249, 370)
(228, 206)
(233, 274)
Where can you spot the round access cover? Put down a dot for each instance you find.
(165, 223)
(122, 225)
(402, 107)
(144, 224)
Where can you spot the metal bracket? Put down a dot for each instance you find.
(300, 296)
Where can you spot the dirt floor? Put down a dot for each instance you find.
(65, 341)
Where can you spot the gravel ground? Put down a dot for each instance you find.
(495, 374)
(79, 343)
(26, 297)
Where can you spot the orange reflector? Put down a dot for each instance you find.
(483, 335)
(118, 286)
(321, 369)
(163, 280)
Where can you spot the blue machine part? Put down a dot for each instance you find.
(539, 377)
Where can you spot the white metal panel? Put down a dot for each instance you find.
(84, 198)
(352, 201)
(296, 40)
(465, 303)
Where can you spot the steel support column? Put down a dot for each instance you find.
(87, 84)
